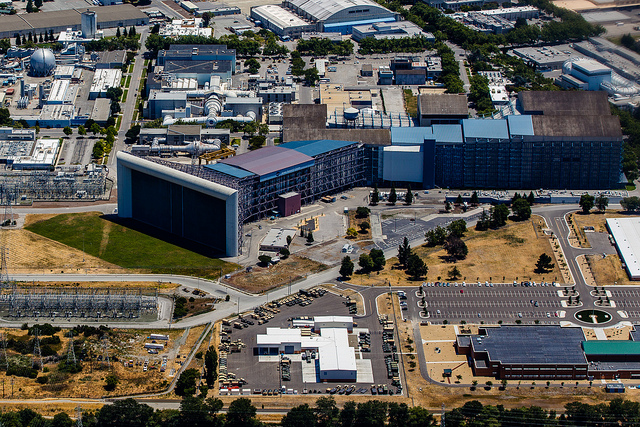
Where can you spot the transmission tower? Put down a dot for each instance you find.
(71, 354)
(37, 353)
(5, 359)
(4, 272)
(78, 416)
(105, 350)
(8, 212)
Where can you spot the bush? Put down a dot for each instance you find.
(42, 379)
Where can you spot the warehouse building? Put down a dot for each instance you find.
(103, 79)
(390, 30)
(196, 52)
(340, 15)
(123, 15)
(626, 233)
(281, 21)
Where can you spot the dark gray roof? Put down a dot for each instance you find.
(443, 104)
(188, 49)
(577, 126)
(532, 345)
(573, 103)
(198, 67)
(109, 57)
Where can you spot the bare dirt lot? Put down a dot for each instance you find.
(608, 270)
(261, 279)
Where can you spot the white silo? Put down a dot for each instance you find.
(89, 24)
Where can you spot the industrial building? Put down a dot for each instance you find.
(276, 238)
(333, 16)
(198, 53)
(442, 109)
(390, 30)
(281, 21)
(190, 139)
(103, 79)
(589, 74)
(240, 189)
(185, 27)
(559, 353)
(215, 9)
(544, 58)
(626, 233)
(124, 15)
(20, 150)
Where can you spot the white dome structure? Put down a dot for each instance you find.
(42, 62)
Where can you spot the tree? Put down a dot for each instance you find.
(629, 204)
(459, 200)
(62, 419)
(40, 40)
(416, 268)
(364, 226)
(186, 384)
(408, 198)
(241, 413)
(436, 236)
(111, 382)
(521, 209)
(398, 414)
(125, 412)
(420, 417)
(378, 259)
(454, 273)
(326, 411)
(310, 237)
(404, 251)
(352, 232)
(211, 366)
(393, 197)
(474, 199)
(311, 76)
(132, 31)
(362, 212)
(499, 215)
(346, 268)
(586, 202)
(98, 149)
(124, 32)
(114, 93)
(264, 260)
(457, 227)
(118, 34)
(250, 128)
(18, 42)
(627, 41)
(253, 65)
(447, 206)
(67, 130)
(455, 247)
(375, 196)
(531, 198)
(81, 130)
(256, 142)
(544, 264)
(299, 416)
(365, 262)
(284, 253)
(5, 117)
(95, 128)
(602, 202)
(30, 9)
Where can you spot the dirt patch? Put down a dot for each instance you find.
(163, 287)
(355, 222)
(608, 270)
(105, 237)
(261, 279)
(596, 220)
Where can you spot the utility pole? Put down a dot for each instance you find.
(442, 418)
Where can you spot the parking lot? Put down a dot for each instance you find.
(262, 373)
(475, 303)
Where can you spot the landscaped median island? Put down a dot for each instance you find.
(122, 245)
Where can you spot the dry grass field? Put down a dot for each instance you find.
(507, 254)
(608, 270)
(262, 279)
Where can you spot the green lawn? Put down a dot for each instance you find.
(131, 68)
(124, 95)
(126, 247)
(128, 82)
(411, 103)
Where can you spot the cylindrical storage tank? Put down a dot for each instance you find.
(89, 24)
(351, 113)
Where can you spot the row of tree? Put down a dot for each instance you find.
(202, 411)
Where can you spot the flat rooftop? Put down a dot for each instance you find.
(317, 147)
(443, 105)
(563, 103)
(531, 345)
(269, 160)
(626, 232)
